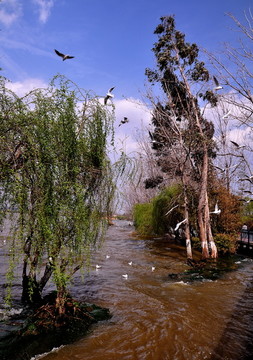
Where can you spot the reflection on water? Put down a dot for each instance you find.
(156, 319)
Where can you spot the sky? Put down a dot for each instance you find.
(111, 42)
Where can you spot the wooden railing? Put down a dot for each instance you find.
(245, 243)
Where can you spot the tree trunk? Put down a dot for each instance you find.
(202, 218)
(61, 300)
(213, 248)
(31, 293)
(187, 227)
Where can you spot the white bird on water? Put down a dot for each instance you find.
(98, 267)
(216, 211)
(179, 224)
(130, 263)
(109, 95)
(107, 257)
(217, 85)
(125, 276)
(153, 268)
(63, 56)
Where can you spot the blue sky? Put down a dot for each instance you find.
(111, 40)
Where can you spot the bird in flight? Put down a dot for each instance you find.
(237, 145)
(247, 201)
(248, 192)
(217, 85)
(225, 116)
(216, 211)
(109, 95)
(63, 56)
(174, 207)
(248, 178)
(124, 121)
(226, 168)
(179, 224)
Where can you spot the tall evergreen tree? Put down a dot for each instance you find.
(182, 137)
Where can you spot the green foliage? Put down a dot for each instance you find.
(226, 243)
(153, 218)
(166, 200)
(55, 171)
(142, 214)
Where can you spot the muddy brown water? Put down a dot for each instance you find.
(156, 319)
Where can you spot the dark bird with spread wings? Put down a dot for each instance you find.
(63, 56)
(124, 121)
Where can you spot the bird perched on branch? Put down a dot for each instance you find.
(109, 95)
(63, 56)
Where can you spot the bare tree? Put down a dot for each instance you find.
(235, 75)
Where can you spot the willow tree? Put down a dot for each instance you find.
(56, 174)
(182, 136)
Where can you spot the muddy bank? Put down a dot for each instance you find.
(38, 331)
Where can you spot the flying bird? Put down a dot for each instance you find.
(167, 213)
(248, 192)
(250, 179)
(125, 276)
(221, 169)
(227, 167)
(130, 263)
(179, 224)
(217, 85)
(216, 211)
(63, 56)
(153, 268)
(226, 115)
(247, 201)
(124, 121)
(109, 95)
(98, 267)
(237, 145)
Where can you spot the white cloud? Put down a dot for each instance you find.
(21, 88)
(10, 11)
(44, 9)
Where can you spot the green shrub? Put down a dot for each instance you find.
(143, 218)
(162, 203)
(226, 243)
